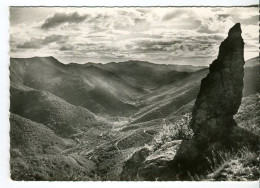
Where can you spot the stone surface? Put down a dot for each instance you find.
(146, 164)
(221, 91)
(134, 163)
(166, 152)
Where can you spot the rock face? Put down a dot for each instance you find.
(146, 164)
(133, 165)
(221, 91)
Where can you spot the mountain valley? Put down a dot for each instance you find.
(88, 121)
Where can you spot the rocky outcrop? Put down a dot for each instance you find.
(133, 165)
(221, 92)
(147, 164)
(212, 122)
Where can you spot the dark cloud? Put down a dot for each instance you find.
(147, 46)
(32, 44)
(201, 46)
(176, 14)
(216, 37)
(60, 18)
(36, 43)
(172, 15)
(208, 38)
(98, 18)
(205, 29)
(66, 48)
(139, 20)
(223, 16)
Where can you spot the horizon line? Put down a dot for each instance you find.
(89, 62)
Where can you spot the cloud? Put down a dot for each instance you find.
(118, 19)
(92, 54)
(176, 14)
(152, 45)
(210, 37)
(53, 38)
(216, 24)
(33, 44)
(253, 20)
(60, 18)
(66, 48)
(246, 16)
(145, 33)
(224, 15)
(36, 43)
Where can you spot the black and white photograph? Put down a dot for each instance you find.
(134, 93)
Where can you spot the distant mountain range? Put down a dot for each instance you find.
(111, 88)
(114, 89)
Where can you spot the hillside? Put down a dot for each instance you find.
(252, 62)
(36, 154)
(99, 121)
(169, 97)
(63, 118)
(69, 83)
(251, 80)
(31, 138)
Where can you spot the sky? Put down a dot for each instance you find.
(172, 35)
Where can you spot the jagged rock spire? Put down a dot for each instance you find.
(221, 91)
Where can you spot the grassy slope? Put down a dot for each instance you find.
(241, 165)
(248, 115)
(63, 118)
(35, 154)
(170, 97)
(30, 138)
(70, 84)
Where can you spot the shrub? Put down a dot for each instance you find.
(178, 130)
